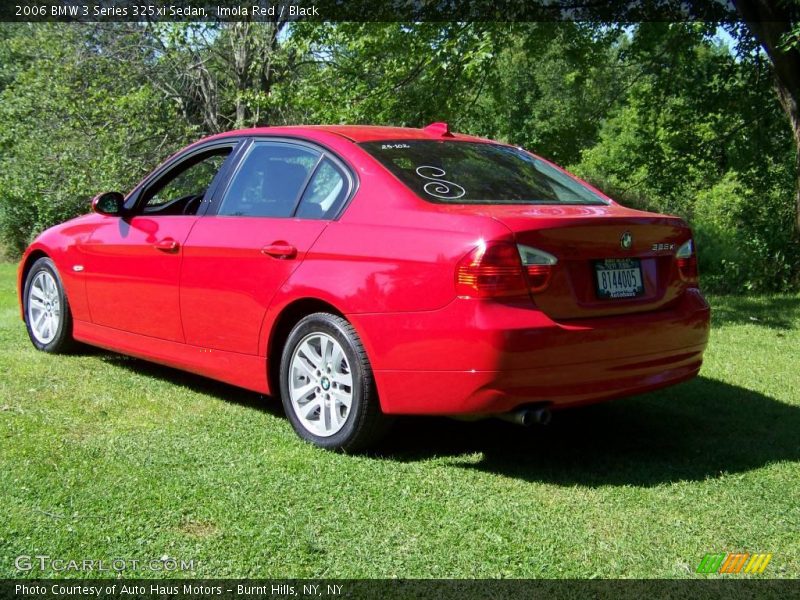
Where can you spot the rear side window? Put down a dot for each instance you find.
(478, 173)
(325, 193)
(269, 181)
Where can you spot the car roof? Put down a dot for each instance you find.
(361, 133)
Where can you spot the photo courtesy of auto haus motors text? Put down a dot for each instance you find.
(399, 300)
(134, 590)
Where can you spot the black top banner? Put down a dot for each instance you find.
(367, 10)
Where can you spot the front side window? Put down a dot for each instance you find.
(269, 181)
(182, 189)
(478, 173)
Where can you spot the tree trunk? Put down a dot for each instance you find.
(242, 57)
(770, 22)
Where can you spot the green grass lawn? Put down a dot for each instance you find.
(102, 456)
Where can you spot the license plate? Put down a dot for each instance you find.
(619, 278)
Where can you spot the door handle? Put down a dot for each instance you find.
(168, 245)
(280, 250)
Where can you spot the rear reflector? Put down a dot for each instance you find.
(686, 259)
(499, 269)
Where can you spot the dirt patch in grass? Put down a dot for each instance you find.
(199, 529)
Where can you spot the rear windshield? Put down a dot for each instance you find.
(478, 173)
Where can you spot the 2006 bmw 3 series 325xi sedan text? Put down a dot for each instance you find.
(364, 272)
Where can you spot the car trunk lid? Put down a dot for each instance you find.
(589, 239)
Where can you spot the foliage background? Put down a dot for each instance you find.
(672, 117)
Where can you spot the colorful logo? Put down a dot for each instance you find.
(734, 562)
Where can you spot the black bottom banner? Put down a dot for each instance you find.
(303, 589)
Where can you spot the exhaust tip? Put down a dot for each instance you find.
(542, 416)
(527, 417)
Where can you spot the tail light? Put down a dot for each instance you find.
(498, 269)
(538, 267)
(687, 263)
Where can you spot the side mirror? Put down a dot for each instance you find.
(108, 203)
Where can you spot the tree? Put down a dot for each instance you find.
(73, 123)
(548, 87)
(391, 73)
(699, 133)
(220, 76)
(776, 26)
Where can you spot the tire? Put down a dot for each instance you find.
(322, 355)
(47, 314)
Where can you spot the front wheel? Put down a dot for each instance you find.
(47, 315)
(327, 387)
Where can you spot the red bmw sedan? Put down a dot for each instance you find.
(364, 272)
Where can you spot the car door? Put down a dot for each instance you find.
(133, 262)
(279, 199)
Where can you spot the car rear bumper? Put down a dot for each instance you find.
(477, 357)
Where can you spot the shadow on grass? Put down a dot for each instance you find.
(779, 312)
(694, 431)
(196, 383)
(697, 430)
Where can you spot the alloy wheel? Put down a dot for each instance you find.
(320, 384)
(44, 307)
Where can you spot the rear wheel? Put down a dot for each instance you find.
(47, 315)
(327, 386)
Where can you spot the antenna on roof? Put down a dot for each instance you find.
(440, 129)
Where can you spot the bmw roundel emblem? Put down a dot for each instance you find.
(626, 241)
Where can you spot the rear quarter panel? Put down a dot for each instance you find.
(390, 252)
